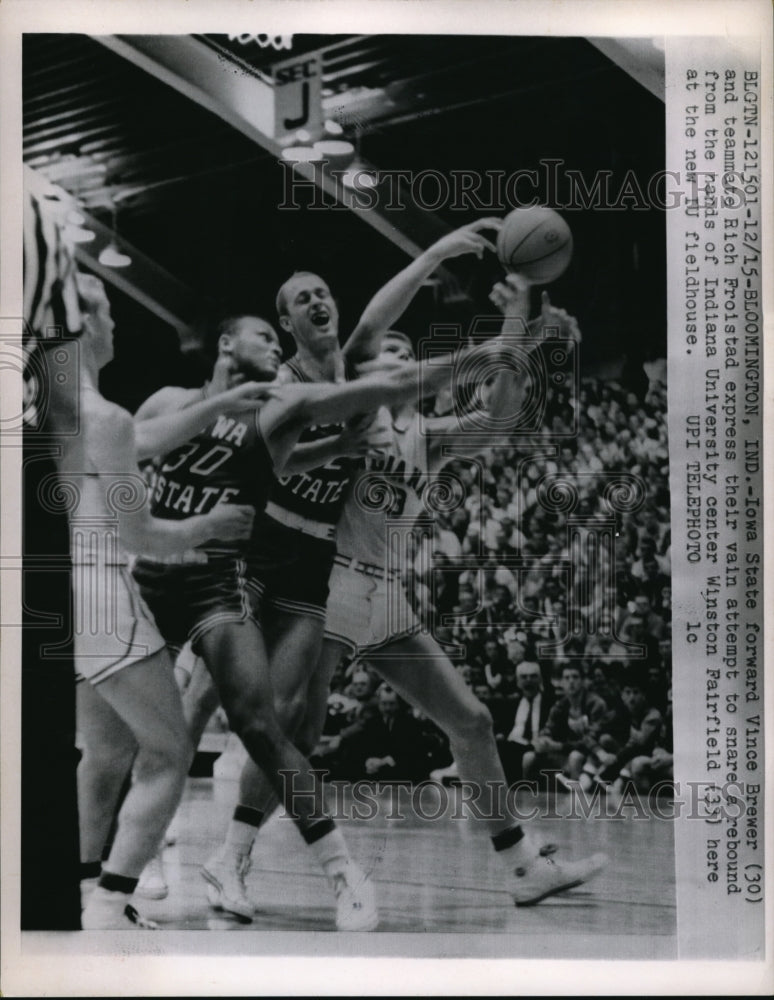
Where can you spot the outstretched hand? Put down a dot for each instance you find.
(467, 239)
(554, 317)
(358, 437)
(511, 297)
(248, 396)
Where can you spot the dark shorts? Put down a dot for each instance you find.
(288, 570)
(189, 600)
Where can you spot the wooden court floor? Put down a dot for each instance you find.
(436, 877)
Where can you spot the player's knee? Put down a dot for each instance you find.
(258, 730)
(474, 723)
(170, 756)
(106, 757)
(290, 712)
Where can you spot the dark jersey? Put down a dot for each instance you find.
(319, 494)
(227, 462)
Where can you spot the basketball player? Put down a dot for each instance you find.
(293, 545)
(368, 611)
(202, 597)
(129, 713)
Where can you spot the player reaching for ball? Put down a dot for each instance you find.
(368, 611)
(202, 597)
(293, 544)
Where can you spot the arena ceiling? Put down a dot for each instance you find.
(194, 199)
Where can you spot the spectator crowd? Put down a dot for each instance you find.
(549, 586)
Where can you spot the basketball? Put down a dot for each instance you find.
(535, 241)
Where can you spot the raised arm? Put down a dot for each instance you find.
(391, 300)
(112, 450)
(505, 355)
(164, 421)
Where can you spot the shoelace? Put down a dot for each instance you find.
(243, 869)
(131, 914)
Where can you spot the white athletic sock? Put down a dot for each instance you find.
(331, 852)
(239, 839)
(241, 833)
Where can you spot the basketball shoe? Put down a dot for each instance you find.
(538, 876)
(226, 884)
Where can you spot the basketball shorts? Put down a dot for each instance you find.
(112, 626)
(288, 570)
(189, 600)
(367, 607)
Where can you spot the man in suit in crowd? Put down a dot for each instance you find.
(532, 708)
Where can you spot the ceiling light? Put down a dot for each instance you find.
(111, 256)
(301, 154)
(79, 235)
(337, 152)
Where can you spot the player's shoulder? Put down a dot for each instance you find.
(103, 417)
(167, 399)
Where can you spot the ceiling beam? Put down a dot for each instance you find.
(246, 102)
(641, 58)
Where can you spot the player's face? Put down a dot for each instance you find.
(396, 350)
(311, 314)
(255, 350)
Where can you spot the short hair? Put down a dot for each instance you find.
(402, 338)
(281, 302)
(227, 327)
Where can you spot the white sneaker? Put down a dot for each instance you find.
(153, 884)
(355, 899)
(105, 912)
(542, 876)
(226, 885)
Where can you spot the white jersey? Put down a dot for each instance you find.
(387, 496)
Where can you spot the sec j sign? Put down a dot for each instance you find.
(297, 96)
